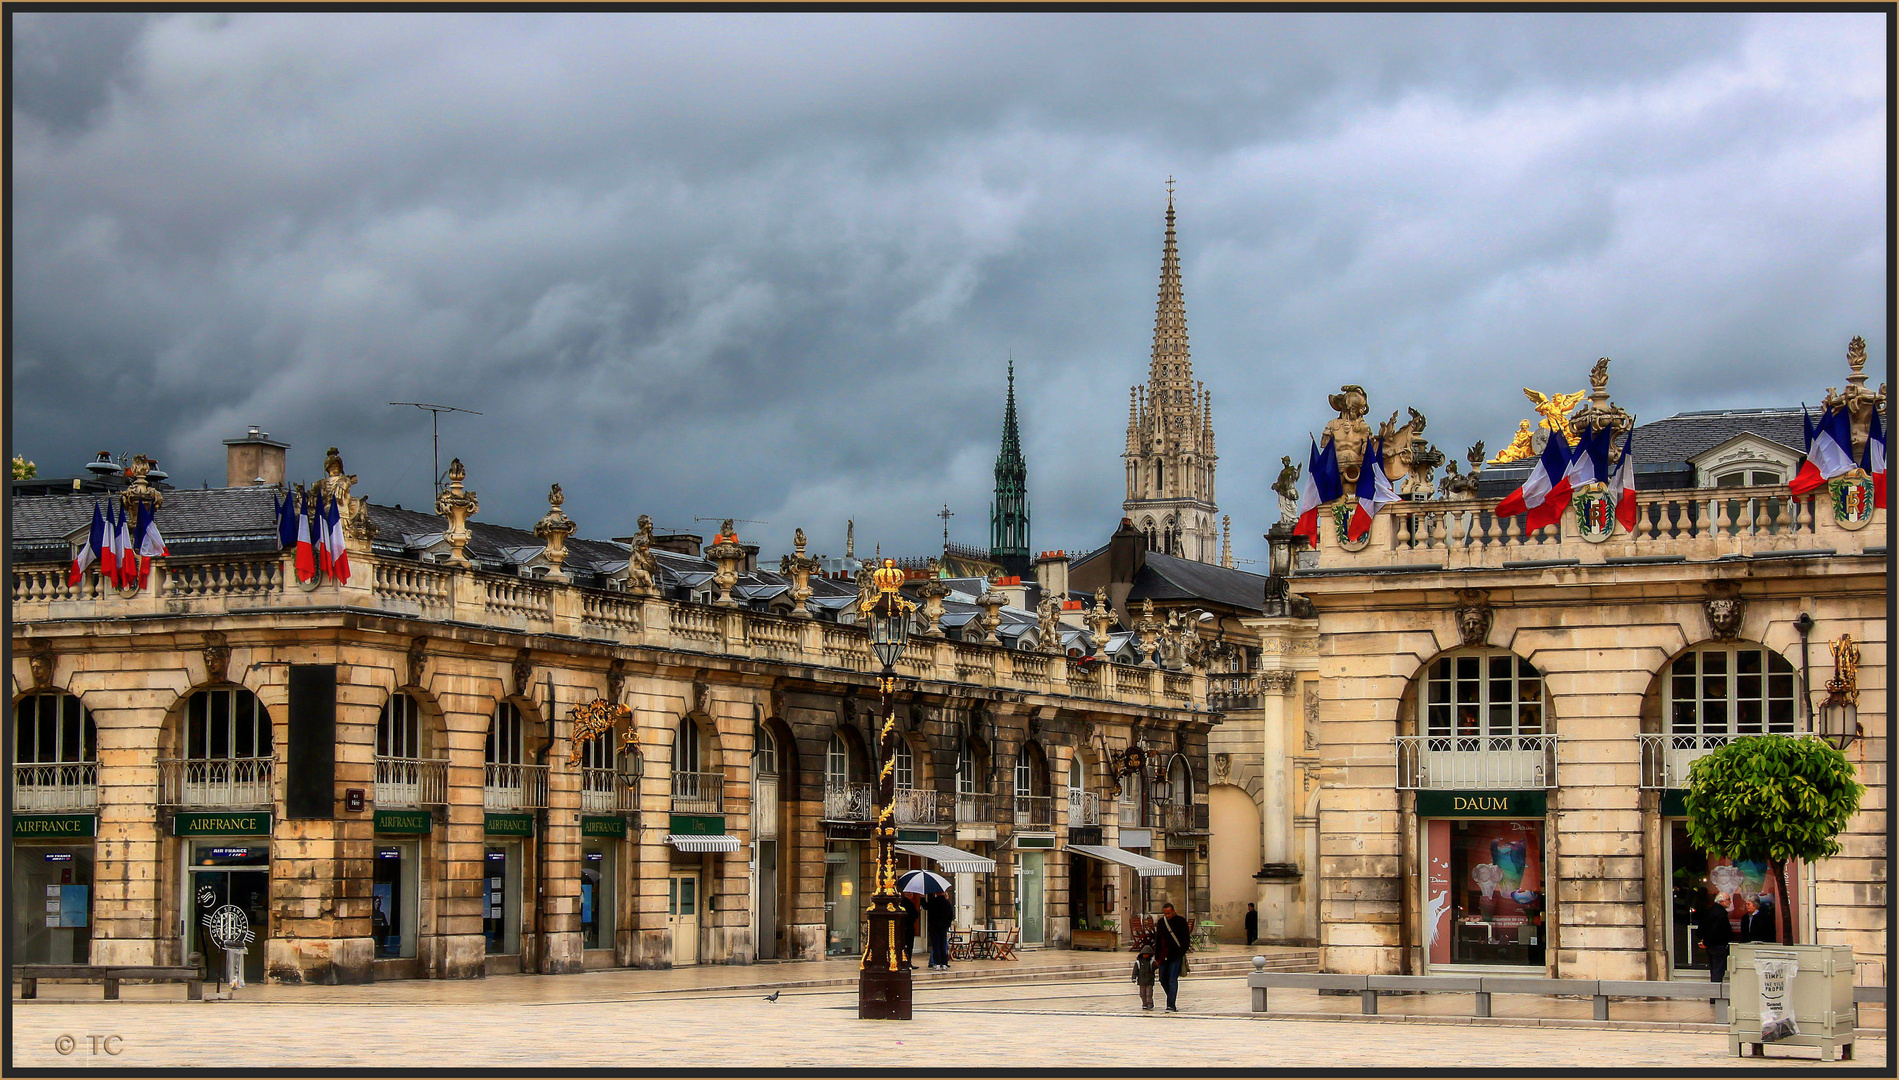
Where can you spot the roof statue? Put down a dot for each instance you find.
(457, 505)
(1554, 409)
(1859, 402)
(1349, 432)
(1287, 488)
(641, 564)
(554, 529)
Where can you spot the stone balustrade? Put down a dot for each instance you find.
(1693, 525)
(408, 589)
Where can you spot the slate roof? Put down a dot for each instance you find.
(1167, 577)
(193, 521)
(1677, 438)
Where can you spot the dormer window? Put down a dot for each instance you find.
(1748, 478)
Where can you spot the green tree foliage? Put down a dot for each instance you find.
(24, 469)
(1774, 797)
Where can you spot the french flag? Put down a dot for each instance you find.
(1874, 461)
(89, 549)
(127, 554)
(108, 548)
(1320, 485)
(306, 551)
(1545, 492)
(1374, 491)
(1624, 485)
(338, 557)
(287, 522)
(1828, 452)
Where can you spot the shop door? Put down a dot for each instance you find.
(965, 901)
(682, 915)
(766, 905)
(247, 890)
(843, 910)
(501, 904)
(1029, 896)
(53, 901)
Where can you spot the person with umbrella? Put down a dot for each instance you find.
(931, 893)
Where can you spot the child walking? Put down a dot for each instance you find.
(1144, 977)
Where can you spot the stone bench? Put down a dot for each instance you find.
(1483, 986)
(110, 974)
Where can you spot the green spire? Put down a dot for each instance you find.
(1009, 513)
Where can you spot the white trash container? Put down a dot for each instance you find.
(1811, 984)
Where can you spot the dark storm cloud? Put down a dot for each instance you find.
(770, 266)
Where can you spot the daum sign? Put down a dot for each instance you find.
(698, 824)
(1451, 804)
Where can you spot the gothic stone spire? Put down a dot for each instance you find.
(1009, 513)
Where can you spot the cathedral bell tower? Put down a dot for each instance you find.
(1169, 454)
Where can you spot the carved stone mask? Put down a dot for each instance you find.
(1473, 617)
(40, 660)
(523, 673)
(1726, 609)
(217, 657)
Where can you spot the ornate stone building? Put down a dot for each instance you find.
(1504, 721)
(1169, 454)
(495, 749)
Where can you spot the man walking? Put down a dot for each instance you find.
(1252, 924)
(1172, 938)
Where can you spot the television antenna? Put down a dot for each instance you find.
(435, 431)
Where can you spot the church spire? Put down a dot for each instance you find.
(1009, 513)
(1170, 369)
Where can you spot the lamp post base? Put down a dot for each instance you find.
(883, 995)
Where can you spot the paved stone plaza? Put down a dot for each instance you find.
(712, 1017)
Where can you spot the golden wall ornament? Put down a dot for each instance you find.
(596, 719)
(1844, 685)
(1554, 409)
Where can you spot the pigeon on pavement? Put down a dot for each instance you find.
(773, 996)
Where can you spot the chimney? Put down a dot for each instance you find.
(682, 543)
(252, 457)
(1051, 571)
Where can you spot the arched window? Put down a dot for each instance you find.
(904, 770)
(1179, 782)
(1159, 483)
(597, 753)
(53, 728)
(226, 723)
(1739, 689)
(507, 741)
(837, 762)
(688, 747)
(55, 754)
(399, 729)
(764, 751)
(1483, 692)
(966, 779)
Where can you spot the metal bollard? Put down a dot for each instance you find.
(1483, 1003)
(1368, 1002)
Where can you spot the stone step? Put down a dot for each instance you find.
(1199, 964)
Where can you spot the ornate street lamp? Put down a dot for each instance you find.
(883, 977)
(1838, 717)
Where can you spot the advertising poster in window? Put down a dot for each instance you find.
(1484, 892)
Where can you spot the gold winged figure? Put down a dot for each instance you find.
(1555, 410)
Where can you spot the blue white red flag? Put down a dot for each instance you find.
(1874, 460)
(1374, 491)
(1829, 452)
(287, 521)
(1624, 485)
(333, 539)
(306, 552)
(1545, 492)
(88, 552)
(1320, 485)
(127, 555)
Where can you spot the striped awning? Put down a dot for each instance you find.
(1141, 864)
(948, 859)
(703, 843)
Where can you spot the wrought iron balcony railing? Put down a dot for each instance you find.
(1084, 808)
(698, 793)
(849, 802)
(514, 787)
(915, 806)
(605, 791)
(55, 786)
(215, 783)
(1464, 762)
(405, 783)
(1034, 812)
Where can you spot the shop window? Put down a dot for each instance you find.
(1725, 690)
(1482, 693)
(1743, 891)
(395, 899)
(1484, 901)
(228, 723)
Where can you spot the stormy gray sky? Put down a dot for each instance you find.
(770, 266)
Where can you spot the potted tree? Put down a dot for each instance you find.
(1773, 798)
